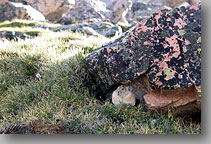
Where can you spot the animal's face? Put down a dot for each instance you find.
(123, 95)
(123, 89)
(120, 90)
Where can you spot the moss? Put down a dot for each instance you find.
(127, 82)
(176, 85)
(103, 27)
(168, 73)
(32, 33)
(199, 40)
(124, 27)
(181, 32)
(199, 50)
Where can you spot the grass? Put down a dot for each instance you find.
(42, 79)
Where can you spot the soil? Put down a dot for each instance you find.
(39, 127)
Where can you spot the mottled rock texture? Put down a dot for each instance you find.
(10, 11)
(166, 47)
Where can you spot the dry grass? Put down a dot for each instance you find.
(41, 79)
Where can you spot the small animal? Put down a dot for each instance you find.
(124, 95)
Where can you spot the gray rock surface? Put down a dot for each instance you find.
(8, 35)
(10, 11)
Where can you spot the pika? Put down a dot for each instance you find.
(124, 94)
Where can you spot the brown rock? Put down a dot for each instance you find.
(180, 101)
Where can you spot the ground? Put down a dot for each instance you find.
(42, 85)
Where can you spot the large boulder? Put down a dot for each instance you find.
(10, 11)
(51, 9)
(45, 6)
(166, 48)
(86, 11)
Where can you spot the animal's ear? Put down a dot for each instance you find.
(122, 87)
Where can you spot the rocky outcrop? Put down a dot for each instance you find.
(166, 48)
(86, 11)
(97, 29)
(10, 11)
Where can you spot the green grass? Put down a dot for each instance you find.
(42, 79)
(24, 23)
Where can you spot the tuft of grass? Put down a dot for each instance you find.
(42, 79)
(17, 24)
(24, 23)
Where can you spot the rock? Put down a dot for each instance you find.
(97, 29)
(166, 48)
(181, 101)
(86, 11)
(119, 10)
(60, 11)
(47, 6)
(10, 11)
(142, 9)
(13, 35)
